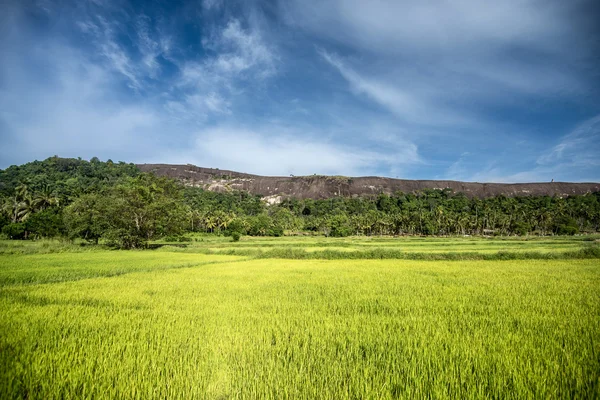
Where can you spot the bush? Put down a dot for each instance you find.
(235, 236)
(566, 226)
(14, 231)
(567, 230)
(47, 223)
(4, 220)
(276, 231)
(520, 228)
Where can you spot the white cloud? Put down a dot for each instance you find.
(429, 62)
(444, 74)
(409, 106)
(458, 170)
(103, 34)
(210, 4)
(240, 50)
(80, 111)
(73, 110)
(149, 44)
(579, 148)
(196, 108)
(149, 47)
(120, 62)
(271, 152)
(393, 26)
(201, 86)
(242, 60)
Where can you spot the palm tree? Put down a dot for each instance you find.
(463, 222)
(11, 208)
(45, 198)
(227, 220)
(545, 221)
(439, 219)
(20, 206)
(21, 191)
(210, 223)
(26, 208)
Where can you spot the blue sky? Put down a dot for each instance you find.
(470, 90)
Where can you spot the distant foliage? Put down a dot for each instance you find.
(67, 178)
(115, 203)
(34, 196)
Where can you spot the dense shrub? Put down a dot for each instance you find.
(15, 230)
(566, 226)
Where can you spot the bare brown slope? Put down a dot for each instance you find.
(321, 187)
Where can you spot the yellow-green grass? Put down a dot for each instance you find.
(43, 268)
(412, 249)
(271, 328)
(407, 243)
(401, 248)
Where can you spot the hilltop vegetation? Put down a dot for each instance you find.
(116, 204)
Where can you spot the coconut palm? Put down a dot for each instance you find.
(45, 198)
(26, 208)
(11, 208)
(210, 223)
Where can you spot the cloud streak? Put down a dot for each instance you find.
(576, 151)
(579, 148)
(406, 105)
(283, 151)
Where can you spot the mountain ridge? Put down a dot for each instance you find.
(327, 186)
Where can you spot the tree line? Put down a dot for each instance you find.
(117, 204)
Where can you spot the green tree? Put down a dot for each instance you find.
(130, 214)
(87, 217)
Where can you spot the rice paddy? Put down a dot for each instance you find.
(185, 322)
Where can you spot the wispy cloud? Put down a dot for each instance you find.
(458, 170)
(241, 60)
(576, 151)
(196, 108)
(76, 113)
(241, 50)
(151, 46)
(211, 4)
(579, 148)
(103, 33)
(434, 28)
(409, 106)
(87, 113)
(281, 150)
(432, 62)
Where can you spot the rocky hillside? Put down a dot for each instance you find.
(320, 187)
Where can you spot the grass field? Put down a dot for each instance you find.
(81, 322)
(419, 248)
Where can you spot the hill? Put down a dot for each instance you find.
(117, 204)
(322, 187)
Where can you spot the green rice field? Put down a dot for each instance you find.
(301, 318)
